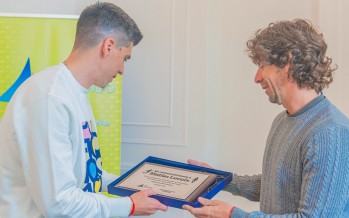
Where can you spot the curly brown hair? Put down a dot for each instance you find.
(299, 44)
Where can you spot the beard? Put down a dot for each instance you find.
(273, 98)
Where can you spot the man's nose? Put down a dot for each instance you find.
(121, 70)
(258, 76)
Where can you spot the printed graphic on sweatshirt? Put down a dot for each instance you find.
(93, 179)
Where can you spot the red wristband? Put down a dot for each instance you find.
(133, 207)
(231, 211)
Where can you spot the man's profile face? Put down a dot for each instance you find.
(272, 80)
(114, 64)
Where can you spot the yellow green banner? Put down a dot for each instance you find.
(30, 44)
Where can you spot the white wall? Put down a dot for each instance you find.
(189, 90)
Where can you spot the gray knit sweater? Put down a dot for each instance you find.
(305, 166)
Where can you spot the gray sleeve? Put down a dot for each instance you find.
(245, 186)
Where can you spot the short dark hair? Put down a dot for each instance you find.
(299, 44)
(102, 20)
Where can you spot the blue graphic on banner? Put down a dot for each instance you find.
(26, 73)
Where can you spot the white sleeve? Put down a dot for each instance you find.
(42, 131)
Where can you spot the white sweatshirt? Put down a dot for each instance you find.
(45, 153)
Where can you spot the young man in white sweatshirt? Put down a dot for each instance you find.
(50, 162)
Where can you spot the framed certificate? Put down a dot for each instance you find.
(175, 183)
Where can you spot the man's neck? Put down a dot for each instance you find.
(82, 66)
(298, 99)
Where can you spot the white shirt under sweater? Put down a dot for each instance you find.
(42, 152)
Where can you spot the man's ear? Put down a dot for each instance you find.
(287, 67)
(107, 46)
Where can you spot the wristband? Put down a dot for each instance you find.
(132, 208)
(231, 211)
